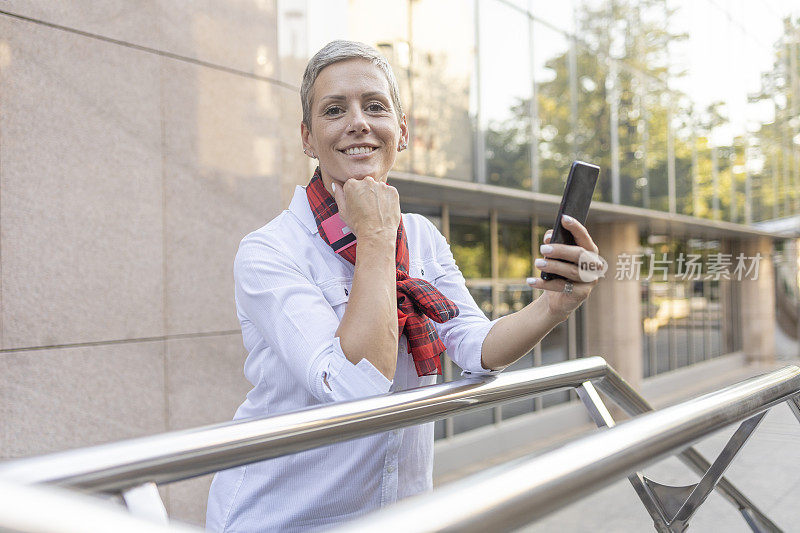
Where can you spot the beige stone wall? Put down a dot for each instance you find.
(139, 142)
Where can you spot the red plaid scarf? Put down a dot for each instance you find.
(418, 302)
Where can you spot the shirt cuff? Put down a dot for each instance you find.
(471, 347)
(346, 381)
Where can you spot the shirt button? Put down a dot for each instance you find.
(422, 271)
(390, 469)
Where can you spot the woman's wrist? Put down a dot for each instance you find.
(553, 316)
(377, 238)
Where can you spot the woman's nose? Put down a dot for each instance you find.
(358, 122)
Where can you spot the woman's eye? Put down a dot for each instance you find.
(333, 110)
(376, 107)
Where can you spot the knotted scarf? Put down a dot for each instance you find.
(418, 302)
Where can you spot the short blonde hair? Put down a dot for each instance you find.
(336, 51)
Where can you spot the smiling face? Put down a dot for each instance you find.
(354, 130)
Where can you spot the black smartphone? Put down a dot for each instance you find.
(575, 203)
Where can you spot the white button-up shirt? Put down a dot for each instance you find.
(291, 293)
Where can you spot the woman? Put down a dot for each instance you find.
(326, 320)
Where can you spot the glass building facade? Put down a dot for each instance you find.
(684, 320)
(509, 93)
(514, 91)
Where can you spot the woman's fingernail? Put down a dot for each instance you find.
(533, 281)
(546, 249)
(540, 263)
(333, 187)
(567, 218)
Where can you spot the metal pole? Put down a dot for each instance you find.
(670, 159)
(748, 185)
(672, 337)
(775, 188)
(645, 142)
(537, 350)
(614, 112)
(691, 329)
(494, 256)
(448, 366)
(412, 146)
(715, 184)
(734, 214)
(533, 107)
(707, 319)
(787, 192)
(185, 454)
(511, 495)
(573, 95)
(695, 173)
(796, 171)
(480, 138)
(791, 59)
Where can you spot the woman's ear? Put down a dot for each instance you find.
(402, 143)
(305, 136)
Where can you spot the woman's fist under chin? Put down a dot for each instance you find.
(370, 208)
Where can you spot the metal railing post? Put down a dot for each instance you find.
(631, 402)
(509, 496)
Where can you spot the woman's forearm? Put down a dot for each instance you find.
(369, 327)
(514, 335)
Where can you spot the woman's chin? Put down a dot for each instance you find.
(359, 174)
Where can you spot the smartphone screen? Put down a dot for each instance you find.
(575, 203)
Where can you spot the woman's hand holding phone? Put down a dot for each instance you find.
(561, 303)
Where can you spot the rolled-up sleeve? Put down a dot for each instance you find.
(342, 380)
(464, 335)
(299, 325)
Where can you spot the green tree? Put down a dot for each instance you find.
(639, 48)
(646, 109)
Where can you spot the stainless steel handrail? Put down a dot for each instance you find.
(626, 397)
(181, 455)
(127, 466)
(42, 509)
(511, 495)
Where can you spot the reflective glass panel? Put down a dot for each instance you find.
(506, 94)
(469, 241)
(553, 129)
(439, 104)
(514, 250)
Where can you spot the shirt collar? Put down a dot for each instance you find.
(300, 208)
